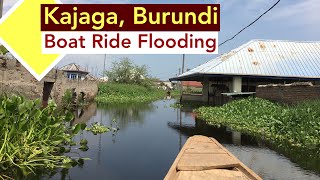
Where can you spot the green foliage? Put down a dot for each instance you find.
(297, 126)
(67, 99)
(97, 128)
(115, 93)
(3, 50)
(83, 142)
(176, 105)
(127, 72)
(32, 138)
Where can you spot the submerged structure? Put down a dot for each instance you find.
(258, 62)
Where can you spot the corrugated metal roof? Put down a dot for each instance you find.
(73, 67)
(265, 58)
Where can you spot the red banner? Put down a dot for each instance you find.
(130, 17)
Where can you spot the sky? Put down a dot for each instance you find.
(295, 20)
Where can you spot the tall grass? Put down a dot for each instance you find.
(297, 126)
(117, 93)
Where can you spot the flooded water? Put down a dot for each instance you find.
(150, 138)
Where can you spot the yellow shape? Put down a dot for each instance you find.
(21, 33)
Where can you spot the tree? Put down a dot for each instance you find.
(126, 71)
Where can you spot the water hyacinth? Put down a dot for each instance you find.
(32, 138)
(97, 128)
(117, 93)
(297, 126)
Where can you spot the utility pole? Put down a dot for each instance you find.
(182, 71)
(104, 65)
(183, 63)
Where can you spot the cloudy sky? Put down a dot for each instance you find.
(297, 20)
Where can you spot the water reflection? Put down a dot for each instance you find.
(151, 136)
(126, 114)
(84, 114)
(236, 138)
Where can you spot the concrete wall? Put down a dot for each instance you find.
(290, 93)
(89, 88)
(15, 79)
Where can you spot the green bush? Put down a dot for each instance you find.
(296, 126)
(67, 99)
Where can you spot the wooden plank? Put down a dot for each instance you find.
(201, 139)
(173, 169)
(198, 162)
(196, 144)
(202, 150)
(217, 174)
(242, 167)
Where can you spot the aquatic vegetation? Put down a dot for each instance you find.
(33, 138)
(83, 142)
(84, 147)
(116, 93)
(176, 105)
(297, 126)
(96, 128)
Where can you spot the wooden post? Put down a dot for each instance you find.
(205, 90)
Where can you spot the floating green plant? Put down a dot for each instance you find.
(32, 138)
(297, 126)
(96, 128)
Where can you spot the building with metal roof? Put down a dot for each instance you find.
(259, 62)
(264, 58)
(74, 71)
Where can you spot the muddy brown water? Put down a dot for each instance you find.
(151, 136)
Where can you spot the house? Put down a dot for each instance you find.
(74, 71)
(258, 62)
